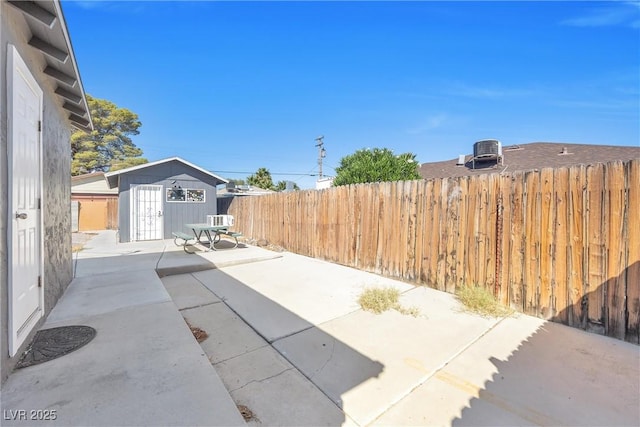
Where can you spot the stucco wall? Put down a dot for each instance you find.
(57, 183)
(56, 202)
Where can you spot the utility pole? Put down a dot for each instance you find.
(321, 153)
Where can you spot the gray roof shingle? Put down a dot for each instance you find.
(536, 155)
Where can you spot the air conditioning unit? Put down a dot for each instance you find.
(220, 220)
(487, 148)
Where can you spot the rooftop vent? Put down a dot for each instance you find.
(461, 160)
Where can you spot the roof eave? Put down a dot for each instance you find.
(87, 127)
(109, 175)
(46, 20)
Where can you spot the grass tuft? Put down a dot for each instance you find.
(481, 301)
(378, 300)
(410, 311)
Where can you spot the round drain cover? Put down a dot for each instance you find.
(49, 344)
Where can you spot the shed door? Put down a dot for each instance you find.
(146, 212)
(25, 187)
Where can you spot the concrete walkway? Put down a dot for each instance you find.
(144, 367)
(445, 367)
(287, 340)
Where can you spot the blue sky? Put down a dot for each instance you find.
(235, 86)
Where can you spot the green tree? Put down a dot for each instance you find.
(262, 179)
(127, 163)
(282, 185)
(109, 145)
(377, 165)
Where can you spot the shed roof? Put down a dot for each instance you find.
(536, 155)
(50, 36)
(112, 177)
(91, 183)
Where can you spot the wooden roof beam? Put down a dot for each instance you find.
(68, 95)
(60, 76)
(73, 108)
(49, 49)
(79, 120)
(36, 12)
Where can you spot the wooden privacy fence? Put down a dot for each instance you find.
(561, 244)
(97, 213)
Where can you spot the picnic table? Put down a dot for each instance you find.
(213, 234)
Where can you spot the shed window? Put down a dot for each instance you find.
(191, 195)
(195, 196)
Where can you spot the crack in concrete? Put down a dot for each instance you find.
(437, 370)
(198, 306)
(239, 355)
(262, 380)
(333, 349)
(289, 335)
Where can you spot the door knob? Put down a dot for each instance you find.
(22, 215)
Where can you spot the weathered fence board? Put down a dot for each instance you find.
(576, 313)
(560, 249)
(616, 248)
(547, 264)
(515, 259)
(532, 244)
(632, 263)
(596, 265)
(561, 244)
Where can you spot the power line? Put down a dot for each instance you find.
(272, 173)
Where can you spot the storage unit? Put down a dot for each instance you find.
(157, 198)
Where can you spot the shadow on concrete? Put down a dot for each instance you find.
(273, 322)
(558, 377)
(578, 378)
(167, 262)
(223, 244)
(270, 320)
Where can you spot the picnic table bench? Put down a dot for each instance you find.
(185, 237)
(213, 234)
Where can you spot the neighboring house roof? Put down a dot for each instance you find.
(531, 156)
(112, 177)
(49, 35)
(242, 190)
(91, 183)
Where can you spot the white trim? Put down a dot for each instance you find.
(132, 235)
(133, 205)
(15, 61)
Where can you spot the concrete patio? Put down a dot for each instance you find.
(287, 340)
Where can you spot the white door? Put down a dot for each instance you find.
(24, 230)
(146, 212)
